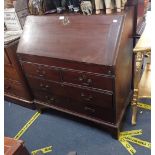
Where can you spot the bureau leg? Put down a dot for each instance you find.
(116, 133)
(134, 114)
(134, 107)
(39, 110)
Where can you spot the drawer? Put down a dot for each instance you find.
(15, 88)
(90, 96)
(94, 111)
(41, 71)
(44, 85)
(98, 113)
(11, 73)
(86, 79)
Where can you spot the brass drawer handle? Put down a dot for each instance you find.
(40, 72)
(44, 86)
(80, 78)
(89, 109)
(85, 81)
(50, 99)
(41, 75)
(89, 81)
(87, 98)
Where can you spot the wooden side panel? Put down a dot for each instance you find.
(124, 66)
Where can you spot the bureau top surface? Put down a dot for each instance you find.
(90, 39)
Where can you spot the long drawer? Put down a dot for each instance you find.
(15, 88)
(92, 111)
(77, 93)
(87, 79)
(45, 72)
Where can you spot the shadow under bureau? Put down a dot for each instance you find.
(82, 67)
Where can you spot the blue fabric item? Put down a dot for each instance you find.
(67, 133)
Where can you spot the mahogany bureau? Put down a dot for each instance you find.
(81, 65)
(15, 87)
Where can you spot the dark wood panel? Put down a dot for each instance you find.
(42, 71)
(89, 38)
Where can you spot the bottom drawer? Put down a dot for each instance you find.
(15, 88)
(97, 112)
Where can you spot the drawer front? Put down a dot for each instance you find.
(15, 88)
(89, 96)
(43, 85)
(41, 71)
(85, 79)
(10, 73)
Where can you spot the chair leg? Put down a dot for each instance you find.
(137, 77)
(134, 114)
(134, 107)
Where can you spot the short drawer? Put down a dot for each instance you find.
(11, 73)
(44, 85)
(41, 71)
(89, 80)
(15, 88)
(92, 97)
